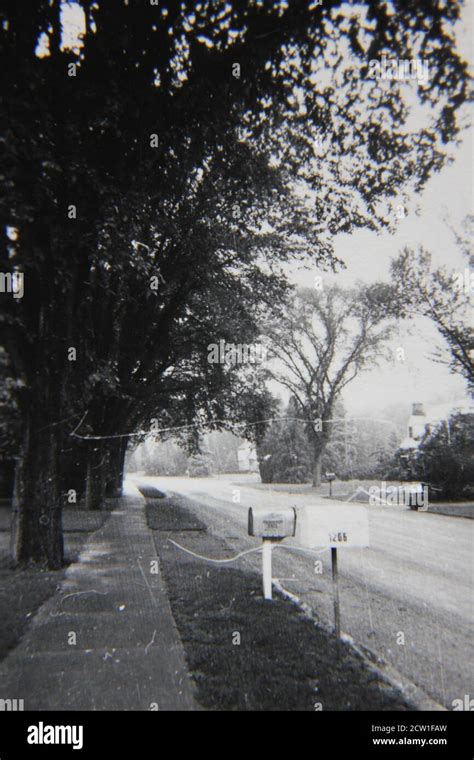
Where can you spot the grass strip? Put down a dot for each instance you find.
(248, 654)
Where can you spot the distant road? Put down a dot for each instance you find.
(414, 584)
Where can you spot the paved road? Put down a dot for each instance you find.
(408, 598)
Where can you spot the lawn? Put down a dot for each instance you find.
(248, 654)
(22, 592)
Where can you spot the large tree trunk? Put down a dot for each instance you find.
(317, 462)
(73, 471)
(36, 526)
(7, 478)
(96, 476)
(117, 450)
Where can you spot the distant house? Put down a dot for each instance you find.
(247, 458)
(423, 421)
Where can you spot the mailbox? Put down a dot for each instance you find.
(273, 524)
(416, 496)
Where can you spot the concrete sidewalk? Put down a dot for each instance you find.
(127, 653)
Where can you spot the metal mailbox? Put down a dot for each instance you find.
(273, 524)
(336, 525)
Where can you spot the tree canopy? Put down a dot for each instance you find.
(443, 296)
(141, 153)
(323, 341)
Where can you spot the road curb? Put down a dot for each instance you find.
(416, 695)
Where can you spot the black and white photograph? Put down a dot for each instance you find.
(236, 368)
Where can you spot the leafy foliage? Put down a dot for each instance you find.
(223, 144)
(321, 344)
(168, 212)
(284, 453)
(9, 414)
(441, 296)
(446, 458)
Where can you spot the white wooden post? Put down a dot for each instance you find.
(267, 567)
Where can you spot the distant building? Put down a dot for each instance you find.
(247, 458)
(423, 421)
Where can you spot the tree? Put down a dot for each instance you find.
(445, 458)
(121, 142)
(284, 452)
(9, 427)
(199, 466)
(442, 296)
(224, 446)
(326, 338)
(368, 448)
(159, 458)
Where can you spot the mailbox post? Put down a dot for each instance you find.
(267, 547)
(335, 526)
(330, 476)
(272, 526)
(335, 589)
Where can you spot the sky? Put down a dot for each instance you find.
(367, 256)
